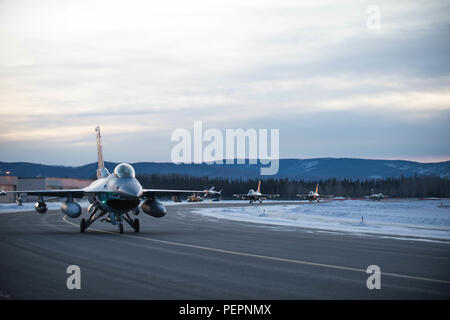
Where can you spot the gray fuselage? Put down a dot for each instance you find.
(123, 190)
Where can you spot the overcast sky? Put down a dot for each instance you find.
(141, 69)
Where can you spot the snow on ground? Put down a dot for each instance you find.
(410, 218)
(171, 203)
(422, 219)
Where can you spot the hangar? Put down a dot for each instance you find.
(8, 183)
(13, 183)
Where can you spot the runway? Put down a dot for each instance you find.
(188, 256)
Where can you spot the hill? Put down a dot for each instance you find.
(318, 168)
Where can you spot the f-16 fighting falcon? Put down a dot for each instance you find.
(253, 195)
(111, 196)
(211, 194)
(376, 196)
(313, 195)
(211, 191)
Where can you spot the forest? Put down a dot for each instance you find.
(404, 187)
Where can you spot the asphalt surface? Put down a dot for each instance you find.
(187, 256)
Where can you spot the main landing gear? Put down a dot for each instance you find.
(93, 208)
(134, 223)
(83, 225)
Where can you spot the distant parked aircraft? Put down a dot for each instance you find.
(376, 196)
(212, 194)
(253, 195)
(211, 191)
(313, 195)
(114, 194)
(206, 194)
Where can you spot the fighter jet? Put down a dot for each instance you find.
(313, 195)
(112, 196)
(253, 195)
(207, 194)
(211, 193)
(375, 196)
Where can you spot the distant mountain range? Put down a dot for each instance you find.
(319, 168)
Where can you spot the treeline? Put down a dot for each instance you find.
(404, 187)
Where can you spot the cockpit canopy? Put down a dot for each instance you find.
(124, 170)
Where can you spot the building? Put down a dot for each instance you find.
(11, 183)
(51, 183)
(8, 183)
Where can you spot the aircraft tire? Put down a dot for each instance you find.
(136, 225)
(121, 228)
(82, 225)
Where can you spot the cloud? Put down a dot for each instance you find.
(145, 69)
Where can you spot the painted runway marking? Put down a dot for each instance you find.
(315, 264)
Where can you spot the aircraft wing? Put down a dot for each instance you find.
(212, 192)
(80, 193)
(151, 192)
(75, 193)
(240, 196)
(270, 196)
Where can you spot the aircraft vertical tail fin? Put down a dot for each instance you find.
(102, 172)
(259, 186)
(317, 188)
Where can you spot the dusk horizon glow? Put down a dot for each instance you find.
(317, 72)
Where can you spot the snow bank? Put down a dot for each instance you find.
(411, 218)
